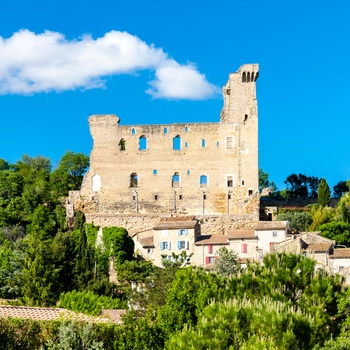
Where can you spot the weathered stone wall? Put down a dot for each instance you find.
(209, 224)
(216, 165)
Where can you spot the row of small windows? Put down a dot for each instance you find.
(181, 197)
(177, 143)
(165, 130)
(180, 245)
(175, 179)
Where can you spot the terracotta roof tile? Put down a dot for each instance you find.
(271, 225)
(45, 314)
(340, 253)
(147, 242)
(319, 247)
(114, 315)
(212, 239)
(164, 225)
(239, 234)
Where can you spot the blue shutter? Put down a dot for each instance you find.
(161, 245)
(186, 232)
(169, 245)
(179, 245)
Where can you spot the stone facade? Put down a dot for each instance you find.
(178, 234)
(140, 173)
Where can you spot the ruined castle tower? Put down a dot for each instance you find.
(139, 173)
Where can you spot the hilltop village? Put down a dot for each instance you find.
(164, 239)
(191, 187)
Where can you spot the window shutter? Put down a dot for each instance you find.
(187, 245)
(179, 232)
(271, 246)
(169, 245)
(244, 248)
(179, 245)
(161, 245)
(207, 260)
(210, 249)
(186, 232)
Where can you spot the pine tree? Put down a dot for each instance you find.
(324, 193)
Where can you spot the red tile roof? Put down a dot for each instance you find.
(114, 315)
(271, 225)
(319, 247)
(212, 239)
(168, 225)
(340, 253)
(147, 242)
(239, 234)
(45, 314)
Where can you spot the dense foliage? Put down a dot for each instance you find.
(280, 304)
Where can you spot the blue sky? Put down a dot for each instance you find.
(58, 65)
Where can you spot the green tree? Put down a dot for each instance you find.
(227, 262)
(89, 303)
(84, 264)
(264, 181)
(70, 171)
(264, 323)
(298, 221)
(176, 261)
(39, 274)
(135, 270)
(301, 186)
(118, 243)
(75, 336)
(340, 189)
(336, 230)
(190, 291)
(324, 193)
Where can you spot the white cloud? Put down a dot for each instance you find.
(31, 63)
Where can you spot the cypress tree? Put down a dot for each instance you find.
(324, 193)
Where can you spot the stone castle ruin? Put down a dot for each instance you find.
(140, 174)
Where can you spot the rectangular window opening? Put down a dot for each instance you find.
(229, 142)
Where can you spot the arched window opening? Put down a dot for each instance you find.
(134, 180)
(165, 130)
(122, 144)
(186, 128)
(203, 180)
(252, 77)
(177, 143)
(248, 77)
(142, 143)
(244, 77)
(229, 181)
(175, 181)
(133, 131)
